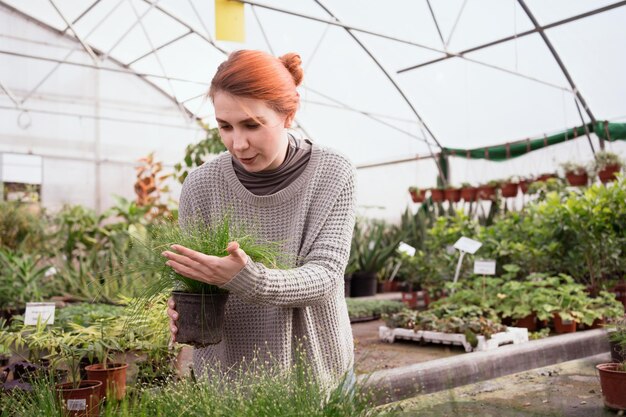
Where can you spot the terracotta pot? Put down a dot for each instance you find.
(113, 379)
(416, 299)
(577, 180)
(390, 286)
(200, 318)
(486, 192)
(418, 196)
(545, 177)
(453, 195)
(613, 383)
(509, 189)
(562, 326)
(363, 284)
(83, 401)
(436, 195)
(523, 185)
(609, 173)
(529, 322)
(469, 193)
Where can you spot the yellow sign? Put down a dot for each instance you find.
(229, 22)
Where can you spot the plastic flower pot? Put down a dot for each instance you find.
(509, 189)
(529, 322)
(453, 195)
(523, 185)
(418, 196)
(577, 180)
(83, 401)
(469, 193)
(486, 192)
(363, 284)
(609, 173)
(437, 195)
(113, 379)
(200, 318)
(563, 326)
(613, 383)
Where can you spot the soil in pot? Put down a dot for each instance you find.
(113, 379)
(83, 401)
(563, 326)
(200, 318)
(363, 284)
(613, 383)
(609, 173)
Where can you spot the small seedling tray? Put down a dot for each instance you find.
(513, 335)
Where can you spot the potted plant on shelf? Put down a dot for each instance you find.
(468, 192)
(417, 195)
(524, 183)
(576, 174)
(607, 165)
(200, 306)
(372, 245)
(602, 307)
(613, 375)
(509, 187)
(437, 194)
(452, 194)
(488, 191)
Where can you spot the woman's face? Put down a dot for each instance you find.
(251, 131)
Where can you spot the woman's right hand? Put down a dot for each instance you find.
(171, 312)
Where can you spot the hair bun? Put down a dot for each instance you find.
(293, 63)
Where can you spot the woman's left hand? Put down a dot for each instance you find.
(206, 268)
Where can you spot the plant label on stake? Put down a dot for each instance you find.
(464, 245)
(485, 267)
(39, 311)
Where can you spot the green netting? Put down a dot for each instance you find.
(605, 130)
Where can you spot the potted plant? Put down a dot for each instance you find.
(524, 183)
(604, 306)
(613, 375)
(437, 194)
(200, 306)
(372, 245)
(576, 174)
(452, 194)
(415, 269)
(417, 195)
(617, 339)
(509, 187)
(111, 374)
(488, 191)
(468, 192)
(607, 165)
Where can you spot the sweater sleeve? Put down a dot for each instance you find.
(322, 270)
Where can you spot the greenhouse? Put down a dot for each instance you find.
(312, 208)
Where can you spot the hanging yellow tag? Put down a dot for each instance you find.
(229, 21)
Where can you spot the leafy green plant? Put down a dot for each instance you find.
(372, 244)
(371, 308)
(22, 279)
(574, 168)
(196, 154)
(21, 230)
(604, 159)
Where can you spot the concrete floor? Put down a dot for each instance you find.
(567, 389)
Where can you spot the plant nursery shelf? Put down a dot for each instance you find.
(513, 335)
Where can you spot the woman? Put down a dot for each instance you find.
(292, 191)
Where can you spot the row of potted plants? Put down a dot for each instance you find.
(606, 165)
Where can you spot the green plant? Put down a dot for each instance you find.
(21, 230)
(373, 242)
(22, 280)
(574, 168)
(371, 308)
(196, 154)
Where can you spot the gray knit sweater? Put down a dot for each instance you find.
(269, 311)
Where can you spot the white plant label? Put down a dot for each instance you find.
(467, 245)
(39, 311)
(485, 267)
(77, 405)
(406, 249)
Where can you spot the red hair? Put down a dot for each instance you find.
(259, 75)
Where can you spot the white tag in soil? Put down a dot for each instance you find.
(468, 245)
(39, 311)
(485, 267)
(406, 249)
(77, 405)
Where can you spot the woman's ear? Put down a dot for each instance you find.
(289, 120)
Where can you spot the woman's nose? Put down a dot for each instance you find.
(240, 143)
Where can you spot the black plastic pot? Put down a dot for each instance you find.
(363, 284)
(200, 318)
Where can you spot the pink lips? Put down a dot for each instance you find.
(247, 161)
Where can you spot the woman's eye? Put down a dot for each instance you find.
(226, 127)
(252, 126)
